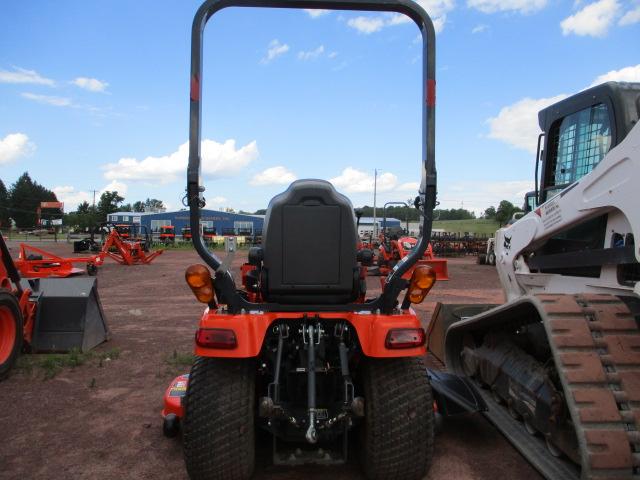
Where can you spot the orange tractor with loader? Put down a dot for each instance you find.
(300, 351)
(46, 314)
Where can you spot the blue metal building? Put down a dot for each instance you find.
(225, 223)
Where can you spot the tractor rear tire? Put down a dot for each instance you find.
(482, 259)
(491, 259)
(218, 426)
(11, 325)
(398, 432)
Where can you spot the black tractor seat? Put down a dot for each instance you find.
(309, 247)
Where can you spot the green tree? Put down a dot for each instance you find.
(138, 206)
(25, 197)
(85, 217)
(5, 217)
(262, 211)
(505, 211)
(153, 205)
(108, 203)
(490, 213)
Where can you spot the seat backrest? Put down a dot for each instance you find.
(309, 246)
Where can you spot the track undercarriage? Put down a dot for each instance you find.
(567, 369)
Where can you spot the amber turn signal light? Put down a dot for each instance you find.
(422, 280)
(199, 280)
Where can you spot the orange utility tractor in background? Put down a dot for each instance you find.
(300, 350)
(46, 315)
(167, 234)
(396, 244)
(186, 234)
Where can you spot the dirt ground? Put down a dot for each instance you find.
(102, 419)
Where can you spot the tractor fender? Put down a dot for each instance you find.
(251, 328)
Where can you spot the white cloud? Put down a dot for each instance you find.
(219, 200)
(91, 84)
(333, 55)
(478, 196)
(48, 99)
(218, 160)
(311, 54)
(437, 10)
(273, 176)
(631, 17)
(520, 6)
(274, 50)
(593, 20)
(409, 187)
(21, 75)
(14, 146)
(366, 25)
(356, 181)
(627, 74)
(480, 28)
(517, 124)
(316, 12)
(72, 197)
(115, 186)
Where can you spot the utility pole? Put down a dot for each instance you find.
(375, 189)
(94, 198)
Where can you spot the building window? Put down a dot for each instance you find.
(114, 218)
(136, 219)
(243, 228)
(125, 218)
(156, 224)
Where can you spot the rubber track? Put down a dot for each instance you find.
(397, 439)
(218, 429)
(596, 346)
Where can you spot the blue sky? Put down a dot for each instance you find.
(94, 95)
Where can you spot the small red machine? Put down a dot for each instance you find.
(126, 252)
(186, 234)
(35, 262)
(391, 251)
(167, 234)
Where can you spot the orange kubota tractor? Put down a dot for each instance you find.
(46, 315)
(167, 234)
(300, 351)
(396, 245)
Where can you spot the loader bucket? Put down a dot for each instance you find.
(68, 314)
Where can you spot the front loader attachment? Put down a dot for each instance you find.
(68, 314)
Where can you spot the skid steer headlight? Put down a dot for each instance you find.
(199, 280)
(422, 280)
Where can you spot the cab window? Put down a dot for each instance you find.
(578, 142)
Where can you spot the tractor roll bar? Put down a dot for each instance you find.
(426, 199)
